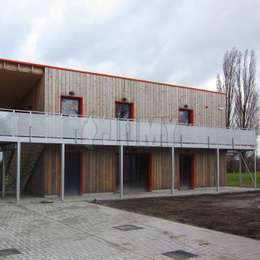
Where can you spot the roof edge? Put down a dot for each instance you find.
(110, 75)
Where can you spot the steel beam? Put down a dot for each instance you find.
(121, 171)
(217, 183)
(18, 171)
(62, 171)
(173, 169)
(3, 174)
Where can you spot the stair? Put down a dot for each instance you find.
(30, 154)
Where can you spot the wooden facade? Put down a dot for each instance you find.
(152, 101)
(100, 169)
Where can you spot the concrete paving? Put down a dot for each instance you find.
(80, 230)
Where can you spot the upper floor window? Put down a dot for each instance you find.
(185, 116)
(124, 110)
(70, 106)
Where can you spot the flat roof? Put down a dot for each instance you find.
(108, 75)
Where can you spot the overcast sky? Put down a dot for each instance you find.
(172, 41)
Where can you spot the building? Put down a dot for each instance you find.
(64, 131)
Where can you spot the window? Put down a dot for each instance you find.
(70, 106)
(124, 110)
(186, 116)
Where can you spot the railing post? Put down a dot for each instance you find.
(3, 174)
(173, 169)
(217, 184)
(240, 170)
(75, 135)
(121, 171)
(255, 167)
(15, 124)
(18, 171)
(30, 126)
(62, 171)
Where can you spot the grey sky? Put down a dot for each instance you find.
(173, 41)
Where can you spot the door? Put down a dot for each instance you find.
(136, 172)
(72, 171)
(186, 168)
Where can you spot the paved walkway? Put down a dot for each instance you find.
(165, 193)
(79, 230)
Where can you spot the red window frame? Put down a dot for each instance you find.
(81, 103)
(191, 115)
(132, 108)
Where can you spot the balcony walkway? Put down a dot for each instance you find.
(29, 127)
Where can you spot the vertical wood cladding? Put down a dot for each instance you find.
(52, 169)
(99, 170)
(152, 100)
(205, 169)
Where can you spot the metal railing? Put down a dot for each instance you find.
(28, 126)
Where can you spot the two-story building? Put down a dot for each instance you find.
(65, 131)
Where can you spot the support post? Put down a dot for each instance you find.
(62, 171)
(121, 171)
(240, 170)
(173, 170)
(255, 168)
(3, 174)
(18, 171)
(217, 184)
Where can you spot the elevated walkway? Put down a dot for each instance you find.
(17, 127)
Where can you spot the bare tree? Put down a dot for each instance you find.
(246, 94)
(228, 82)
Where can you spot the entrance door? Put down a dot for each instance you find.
(136, 172)
(186, 162)
(72, 171)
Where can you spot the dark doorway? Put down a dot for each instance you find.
(72, 171)
(136, 172)
(186, 168)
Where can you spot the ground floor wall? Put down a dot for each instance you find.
(99, 168)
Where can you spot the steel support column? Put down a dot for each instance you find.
(18, 171)
(3, 174)
(217, 183)
(240, 170)
(121, 171)
(62, 171)
(255, 167)
(173, 169)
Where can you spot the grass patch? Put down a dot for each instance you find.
(233, 179)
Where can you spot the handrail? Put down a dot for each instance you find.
(114, 118)
(54, 127)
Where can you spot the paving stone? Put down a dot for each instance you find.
(79, 230)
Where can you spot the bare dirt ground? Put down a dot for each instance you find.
(237, 213)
